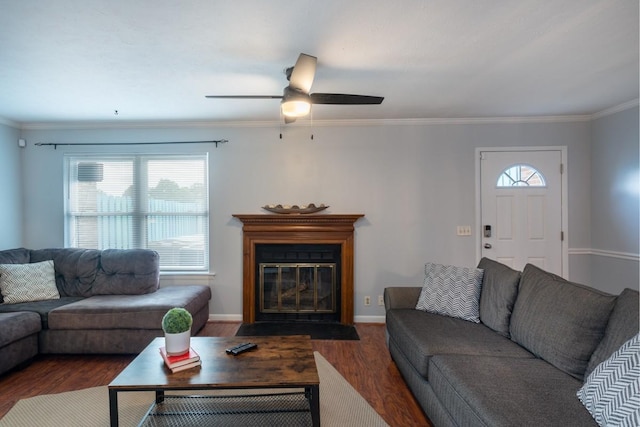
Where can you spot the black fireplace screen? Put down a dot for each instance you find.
(297, 288)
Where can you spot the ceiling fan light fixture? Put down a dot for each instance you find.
(295, 107)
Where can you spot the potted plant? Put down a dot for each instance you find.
(176, 325)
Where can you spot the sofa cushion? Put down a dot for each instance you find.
(559, 321)
(622, 325)
(15, 326)
(76, 268)
(130, 272)
(611, 392)
(42, 308)
(128, 311)
(88, 272)
(14, 256)
(504, 391)
(499, 290)
(421, 335)
(451, 291)
(28, 282)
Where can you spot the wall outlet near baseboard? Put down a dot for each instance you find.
(367, 300)
(380, 300)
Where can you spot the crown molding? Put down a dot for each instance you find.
(164, 124)
(300, 123)
(616, 109)
(10, 123)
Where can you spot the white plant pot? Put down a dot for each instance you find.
(177, 343)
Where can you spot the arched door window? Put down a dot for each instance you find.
(521, 176)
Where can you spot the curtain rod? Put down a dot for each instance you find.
(55, 144)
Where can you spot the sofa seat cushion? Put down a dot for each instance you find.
(128, 311)
(504, 391)
(421, 335)
(559, 321)
(42, 308)
(15, 326)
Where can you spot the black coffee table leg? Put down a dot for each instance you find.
(313, 394)
(113, 408)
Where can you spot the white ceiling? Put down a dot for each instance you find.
(79, 60)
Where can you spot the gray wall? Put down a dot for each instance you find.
(615, 201)
(415, 182)
(10, 188)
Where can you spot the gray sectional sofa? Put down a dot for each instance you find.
(110, 302)
(538, 338)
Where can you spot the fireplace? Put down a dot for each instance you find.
(298, 267)
(297, 282)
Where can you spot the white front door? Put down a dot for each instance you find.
(521, 208)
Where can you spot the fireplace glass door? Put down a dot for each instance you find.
(297, 288)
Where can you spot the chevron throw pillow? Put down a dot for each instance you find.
(28, 282)
(611, 392)
(451, 291)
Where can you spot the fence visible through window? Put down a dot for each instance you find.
(153, 202)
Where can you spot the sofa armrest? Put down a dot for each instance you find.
(401, 297)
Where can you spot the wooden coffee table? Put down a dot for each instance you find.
(278, 363)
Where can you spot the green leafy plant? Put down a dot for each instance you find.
(176, 320)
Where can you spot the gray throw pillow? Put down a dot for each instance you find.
(451, 291)
(499, 291)
(559, 321)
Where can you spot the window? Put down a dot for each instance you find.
(157, 202)
(521, 176)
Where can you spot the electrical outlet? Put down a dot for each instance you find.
(367, 300)
(380, 300)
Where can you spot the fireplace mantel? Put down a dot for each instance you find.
(297, 228)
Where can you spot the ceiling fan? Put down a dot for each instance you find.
(296, 99)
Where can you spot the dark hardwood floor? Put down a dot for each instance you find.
(366, 364)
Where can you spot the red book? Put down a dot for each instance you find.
(173, 362)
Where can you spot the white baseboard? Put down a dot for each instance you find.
(238, 318)
(225, 317)
(369, 319)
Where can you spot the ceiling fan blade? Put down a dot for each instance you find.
(245, 96)
(303, 73)
(345, 99)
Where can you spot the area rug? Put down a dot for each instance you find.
(340, 405)
(317, 330)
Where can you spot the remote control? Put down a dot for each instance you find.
(240, 348)
(237, 347)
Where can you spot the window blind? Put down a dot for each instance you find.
(157, 202)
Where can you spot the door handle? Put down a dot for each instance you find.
(487, 245)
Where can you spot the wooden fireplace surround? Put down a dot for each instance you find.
(297, 228)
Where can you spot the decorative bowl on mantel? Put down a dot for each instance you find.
(295, 209)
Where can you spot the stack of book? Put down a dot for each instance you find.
(181, 362)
